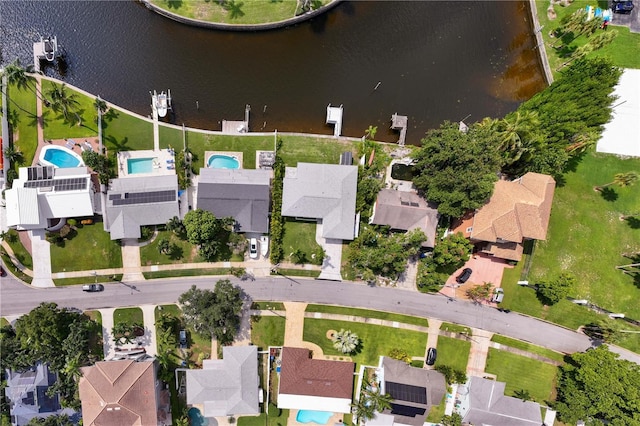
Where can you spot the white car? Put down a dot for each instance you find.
(253, 248)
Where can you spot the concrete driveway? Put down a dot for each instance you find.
(486, 269)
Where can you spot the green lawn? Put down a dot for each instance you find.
(453, 352)
(19, 250)
(276, 417)
(273, 306)
(455, 328)
(519, 344)
(186, 273)
(298, 273)
(267, 331)
(89, 239)
(55, 125)
(523, 373)
(239, 12)
(61, 282)
(366, 313)
(299, 235)
(311, 149)
(125, 132)
(623, 51)
(185, 252)
(375, 340)
(23, 104)
(128, 316)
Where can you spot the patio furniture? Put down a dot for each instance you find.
(87, 146)
(70, 144)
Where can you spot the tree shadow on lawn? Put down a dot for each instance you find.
(608, 194)
(633, 222)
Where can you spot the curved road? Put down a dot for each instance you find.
(17, 298)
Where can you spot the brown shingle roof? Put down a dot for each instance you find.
(517, 210)
(119, 393)
(301, 375)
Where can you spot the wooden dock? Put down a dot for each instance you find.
(334, 116)
(399, 122)
(237, 127)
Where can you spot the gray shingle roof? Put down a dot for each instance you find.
(228, 386)
(125, 220)
(489, 405)
(242, 194)
(323, 191)
(406, 211)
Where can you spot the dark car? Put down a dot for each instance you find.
(2, 271)
(432, 354)
(183, 339)
(464, 276)
(92, 287)
(624, 6)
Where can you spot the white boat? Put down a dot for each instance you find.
(161, 102)
(49, 48)
(264, 245)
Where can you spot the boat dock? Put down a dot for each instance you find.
(45, 50)
(399, 122)
(334, 116)
(231, 127)
(156, 128)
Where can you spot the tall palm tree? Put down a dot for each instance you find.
(345, 341)
(581, 142)
(621, 179)
(379, 401)
(19, 76)
(64, 102)
(363, 410)
(515, 132)
(13, 155)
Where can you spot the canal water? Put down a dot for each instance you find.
(434, 60)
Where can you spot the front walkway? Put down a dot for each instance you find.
(41, 255)
(131, 260)
(108, 346)
(480, 342)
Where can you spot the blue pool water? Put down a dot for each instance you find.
(319, 417)
(196, 418)
(222, 162)
(61, 158)
(139, 165)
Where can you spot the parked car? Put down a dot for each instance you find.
(498, 295)
(622, 6)
(253, 248)
(92, 287)
(183, 339)
(464, 276)
(2, 271)
(432, 354)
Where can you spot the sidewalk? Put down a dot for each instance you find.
(480, 342)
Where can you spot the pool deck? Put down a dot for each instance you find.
(164, 162)
(336, 419)
(77, 145)
(237, 155)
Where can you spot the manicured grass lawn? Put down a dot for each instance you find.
(23, 103)
(128, 316)
(366, 313)
(19, 250)
(95, 337)
(55, 125)
(314, 150)
(186, 273)
(299, 235)
(375, 340)
(518, 344)
(84, 280)
(89, 239)
(455, 328)
(453, 352)
(277, 417)
(267, 331)
(274, 306)
(185, 252)
(298, 273)
(124, 132)
(12, 268)
(523, 373)
(587, 238)
(247, 12)
(623, 51)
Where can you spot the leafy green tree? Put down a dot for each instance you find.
(237, 271)
(203, 229)
(214, 313)
(606, 330)
(176, 226)
(55, 420)
(453, 420)
(595, 385)
(298, 257)
(371, 131)
(452, 252)
(554, 290)
(100, 164)
(345, 341)
(457, 170)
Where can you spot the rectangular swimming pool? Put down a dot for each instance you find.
(139, 165)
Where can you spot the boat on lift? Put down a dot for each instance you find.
(49, 47)
(161, 102)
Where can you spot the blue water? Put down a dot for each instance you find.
(222, 162)
(196, 418)
(61, 158)
(139, 165)
(319, 417)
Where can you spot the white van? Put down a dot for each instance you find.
(498, 295)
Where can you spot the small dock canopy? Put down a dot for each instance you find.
(334, 116)
(346, 158)
(399, 122)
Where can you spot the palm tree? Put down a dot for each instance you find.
(621, 179)
(176, 226)
(19, 76)
(63, 102)
(345, 341)
(370, 133)
(514, 133)
(379, 401)
(363, 411)
(523, 394)
(163, 246)
(13, 155)
(581, 142)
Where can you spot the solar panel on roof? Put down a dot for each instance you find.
(69, 184)
(408, 393)
(145, 197)
(405, 410)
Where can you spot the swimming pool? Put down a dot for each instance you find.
(59, 156)
(139, 165)
(196, 418)
(218, 161)
(308, 416)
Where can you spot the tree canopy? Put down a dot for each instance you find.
(597, 386)
(457, 170)
(214, 313)
(206, 231)
(553, 290)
